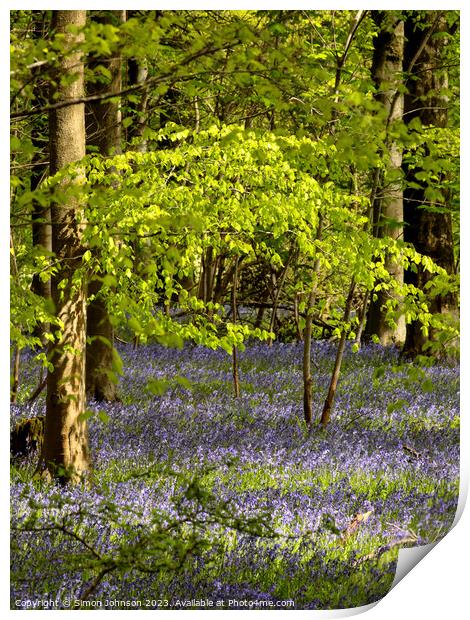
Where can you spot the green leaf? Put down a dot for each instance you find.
(397, 405)
(184, 382)
(379, 372)
(158, 386)
(86, 415)
(427, 385)
(109, 281)
(104, 417)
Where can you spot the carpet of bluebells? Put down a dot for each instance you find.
(198, 496)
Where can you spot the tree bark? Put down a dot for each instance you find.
(430, 231)
(236, 380)
(387, 70)
(307, 352)
(330, 398)
(137, 73)
(103, 127)
(41, 214)
(65, 452)
(15, 377)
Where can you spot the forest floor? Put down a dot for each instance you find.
(198, 496)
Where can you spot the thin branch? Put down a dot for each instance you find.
(131, 89)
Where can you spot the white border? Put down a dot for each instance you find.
(438, 586)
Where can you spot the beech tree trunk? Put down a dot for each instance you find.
(429, 230)
(41, 214)
(65, 453)
(387, 71)
(103, 127)
(137, 73)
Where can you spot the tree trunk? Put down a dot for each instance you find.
(65, 453)
(137, 73)
(207, 276)
(236, 380)
(387, 70)
(307, 352)
(103, 127)
(429, 230)
(277, 290)
(41, 214)
(298, 331)
(15, 376)
(330, 398)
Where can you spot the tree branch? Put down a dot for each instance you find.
(126, 91)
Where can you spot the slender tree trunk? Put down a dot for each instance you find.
(138, 74)
(218, 286)
(329, 402)
(307, 353)
(41, 214)
(236, 381)
(65, 453)
(103, 126)
(362, 317)
(278, 285)
(15, 377)
(387, 71)
(428, 229)
(262, 308)
(297, 318)
(207, 277)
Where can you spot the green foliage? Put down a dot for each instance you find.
(107, 538)
(250, 139)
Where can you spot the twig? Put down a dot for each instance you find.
(412, 451)
(38, 390)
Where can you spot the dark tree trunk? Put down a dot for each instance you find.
(15, 376)
(103, 127)
(387, 71)
(429, 230)
(65, 453)
(137, 73)
(207, 276)
(41, 214)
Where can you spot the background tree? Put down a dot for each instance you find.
(387, 198)
(427, 210)
(103, 127)
(307, 94)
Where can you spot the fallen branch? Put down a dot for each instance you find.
(359, 518)
(412, 451)
(409, 540)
